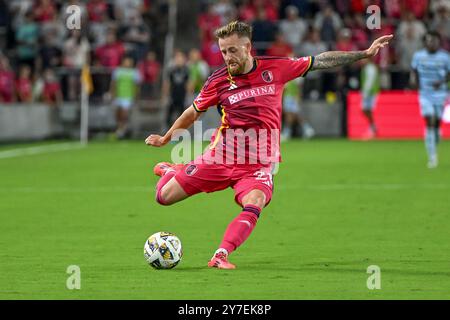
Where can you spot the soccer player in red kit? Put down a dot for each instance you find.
(248, 92)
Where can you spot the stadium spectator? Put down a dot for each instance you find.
(198, 71)
(393, 8)
(293, 27)
(76, 55)
(208, 21)
(226, 10)
(150, 70)
(441, 23)
(247, 11)
(51, 94)
(358, 29)
(27, 35)
(175, 88)
(110, 54)
(44, 11)
(53, 29)
(50, 55)
(211, 53)
(344, 41)
(24, 85)
(4, 14)
(136, 36)
(405, 47)
(18, 10)
(125, 9)
(409, 23)
(270, 8)
(329, 23)
(312, 46)
(280, 47)
(99, 30)
(124, 89)
(96, 10)
(263, 31)
(7, 76)
(418, 8)
(386, 55)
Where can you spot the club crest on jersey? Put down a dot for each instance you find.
(191, 170)
(267, 76)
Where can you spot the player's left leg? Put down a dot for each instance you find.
(367, 108)
(123, 106)
(253, 193)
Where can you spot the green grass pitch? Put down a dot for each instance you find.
(338, 207)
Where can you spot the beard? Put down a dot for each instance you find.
(235, 68)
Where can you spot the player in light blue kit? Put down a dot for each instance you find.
(431, 69)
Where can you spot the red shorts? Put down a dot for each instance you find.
(203, 177)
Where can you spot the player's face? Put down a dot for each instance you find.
(235, 53)
(432, 43)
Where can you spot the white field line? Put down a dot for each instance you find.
(20, 152)
(150, 188)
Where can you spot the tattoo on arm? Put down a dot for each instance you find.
(332, 59)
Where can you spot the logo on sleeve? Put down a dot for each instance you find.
(191, 170)
(267, 76)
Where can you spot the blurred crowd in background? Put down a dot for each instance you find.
(41, 59)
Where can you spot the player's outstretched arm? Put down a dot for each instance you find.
(186, 119)
(331, 59)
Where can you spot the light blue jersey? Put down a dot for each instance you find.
(432, 67)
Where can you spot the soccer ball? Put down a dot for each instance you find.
(162, 250)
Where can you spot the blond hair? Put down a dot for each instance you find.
(242, 29)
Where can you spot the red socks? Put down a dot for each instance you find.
(240, 228)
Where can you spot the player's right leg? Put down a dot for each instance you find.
(367, 108)
(428, 113)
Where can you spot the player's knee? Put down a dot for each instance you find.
(163, 197)
(255, 198)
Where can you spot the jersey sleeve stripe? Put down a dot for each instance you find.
(311, 62)
(196, 108)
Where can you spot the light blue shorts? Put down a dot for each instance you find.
(290, 104)
(368, 102)
(429, 108)
(123, 103)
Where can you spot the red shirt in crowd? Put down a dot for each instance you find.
(211, 54)
(149, 71)
(44, 12)
(51, 90)
(6, 85)
(24, 89)
(110, 55)
(96, 9)
(207, 24)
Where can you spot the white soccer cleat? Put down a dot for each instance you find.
(433, 162)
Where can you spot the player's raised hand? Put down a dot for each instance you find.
(155, 140)
(379, 43)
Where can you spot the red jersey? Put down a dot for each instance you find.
(110, 55)
(6, 85)
(251, 102)
(24, 88)
(149, 71)
(50, 90)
